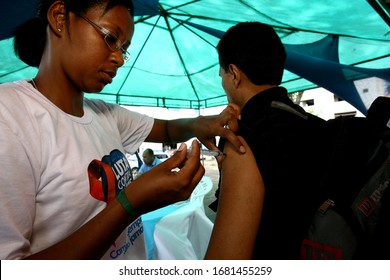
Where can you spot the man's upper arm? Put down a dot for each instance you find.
(240, 206)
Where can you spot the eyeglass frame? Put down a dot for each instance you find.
(107, 33)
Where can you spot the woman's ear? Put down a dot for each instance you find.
(56, 17)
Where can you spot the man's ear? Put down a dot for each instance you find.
(56, 17)
(236, 74)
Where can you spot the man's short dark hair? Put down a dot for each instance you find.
(149, 152)
(256, 49)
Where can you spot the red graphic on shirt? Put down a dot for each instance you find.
(101, 181)
(109, 176)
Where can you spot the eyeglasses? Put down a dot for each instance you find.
(113, 43)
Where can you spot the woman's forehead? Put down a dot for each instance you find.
(118, 18)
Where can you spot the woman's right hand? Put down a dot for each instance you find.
(156, 188)
(171, 181)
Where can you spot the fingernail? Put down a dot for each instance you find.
(181, 147)
(242, 149)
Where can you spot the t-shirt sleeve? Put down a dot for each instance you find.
(133, 127)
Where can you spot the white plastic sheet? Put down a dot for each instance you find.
(178, 231)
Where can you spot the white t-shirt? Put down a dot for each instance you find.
(44, 157)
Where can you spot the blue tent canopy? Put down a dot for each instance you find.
(174, 63)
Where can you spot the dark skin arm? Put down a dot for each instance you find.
(205, 128)
(158, 187)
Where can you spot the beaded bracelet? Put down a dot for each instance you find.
(125, 203)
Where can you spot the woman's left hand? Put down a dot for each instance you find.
(224, 125)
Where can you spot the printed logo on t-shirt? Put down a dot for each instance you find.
(109, 176)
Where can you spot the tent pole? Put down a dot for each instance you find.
(382, 9)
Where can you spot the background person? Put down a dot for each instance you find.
(150, 161)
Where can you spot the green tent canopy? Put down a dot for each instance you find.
(174, 64)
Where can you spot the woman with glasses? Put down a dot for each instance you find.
(63, 172)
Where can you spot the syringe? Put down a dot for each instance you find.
(205, 152)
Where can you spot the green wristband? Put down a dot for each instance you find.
(125, 203)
